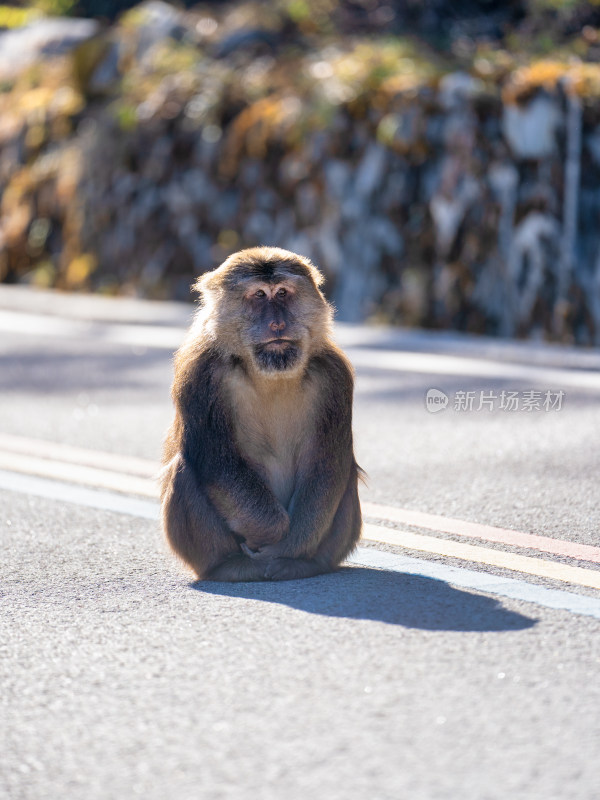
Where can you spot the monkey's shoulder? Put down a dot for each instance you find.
(331, 365)
(199, 363)
(199, 375)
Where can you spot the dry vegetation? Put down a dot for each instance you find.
(447, 186)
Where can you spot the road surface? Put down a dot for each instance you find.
(457, 656)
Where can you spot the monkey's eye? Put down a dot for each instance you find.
(259, 293)
(281, 292)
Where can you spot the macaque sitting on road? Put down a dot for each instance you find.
(259, 479)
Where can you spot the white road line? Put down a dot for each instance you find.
(487, 533)
(78, 495)
(457, 576)
(122, 473)
(475, 554)
(20, 460)
(479, 581)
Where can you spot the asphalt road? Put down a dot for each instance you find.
(120, 677)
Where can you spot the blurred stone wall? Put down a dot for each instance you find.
(134, 158)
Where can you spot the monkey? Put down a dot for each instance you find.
(259, 478)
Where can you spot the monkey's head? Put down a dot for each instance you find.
(264, 306)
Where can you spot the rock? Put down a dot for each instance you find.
(292, 170)
(354, 208)
(307, 204)
(22, 47)
(428, 205)
(395, 192)
(387, 236)
(155, 21)
(458, 87)
(503, 179)
(370, 170)
(531, 130)
(257, 40)
(105, 73)
(223, 211)
(178, 201)
(491, 294)
(448, 211)
(266, 199)
(412, 297)
(337, 178)
(460, 132)
(199, 245)
(300, 243)
(535, 255)
(331, 253)
(284, 226)
(257, 228)
(355, 294)
(250, 173)
(593, 144)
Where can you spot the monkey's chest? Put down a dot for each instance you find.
(272, 436)
(277, 467)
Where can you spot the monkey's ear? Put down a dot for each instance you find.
(315, 273)
(317, 276)
(205, 283)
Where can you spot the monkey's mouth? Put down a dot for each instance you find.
(277, 355)
(277, 343)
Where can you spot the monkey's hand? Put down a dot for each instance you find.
(265, 537)
(258, 526)
(262, 553)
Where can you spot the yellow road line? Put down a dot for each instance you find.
(484, 555)
(114, 462)
(75, 473)
(489, 533)
(131, 475)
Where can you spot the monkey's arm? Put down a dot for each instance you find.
(207, 444)
(316, 500)
(326, 464)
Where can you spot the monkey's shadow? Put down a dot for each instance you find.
(395, 598)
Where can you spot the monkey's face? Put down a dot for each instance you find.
(264, 306)
(276, 333)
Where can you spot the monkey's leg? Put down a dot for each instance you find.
(337, 543)
(194, 529)
(237, 568)
(345, 529)
(289, 569)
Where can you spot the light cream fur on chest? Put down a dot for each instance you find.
(273, 426)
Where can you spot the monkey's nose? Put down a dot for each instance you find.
(277, 327)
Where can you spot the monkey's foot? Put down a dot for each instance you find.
(237, 568)
(289, 569)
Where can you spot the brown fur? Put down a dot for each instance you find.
(260, 481)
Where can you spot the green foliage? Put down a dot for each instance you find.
(311, 16)
(126, 116)
(13, 17)
(564, 6)
(55, 8)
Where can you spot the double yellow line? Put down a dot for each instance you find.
(136, 476)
